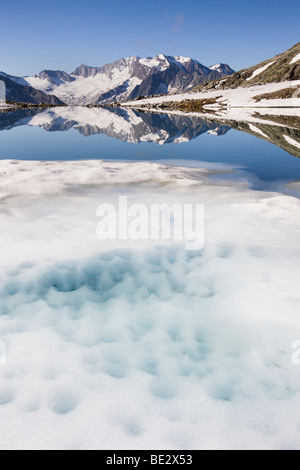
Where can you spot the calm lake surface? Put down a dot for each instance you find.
(127, 135)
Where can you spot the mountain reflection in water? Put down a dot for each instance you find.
(112, 134)
(125, 124)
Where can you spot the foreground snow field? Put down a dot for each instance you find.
(125, 345)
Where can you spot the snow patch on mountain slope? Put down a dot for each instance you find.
(182, 59)
(215, 67)
(162, 62)
(295, 59)
(260, 70)
(155, 62)
(40, 84)
(222, 68)
(150, 62)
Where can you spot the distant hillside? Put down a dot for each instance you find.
(283, 67)
(24, 93)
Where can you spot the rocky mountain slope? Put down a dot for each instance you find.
(283, 67)
(22, 92)
(177, 75)
(272, 83)
(123, 80)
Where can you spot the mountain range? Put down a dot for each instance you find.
(123, 80)
(19, 91)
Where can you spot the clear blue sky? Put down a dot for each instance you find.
(64, 34)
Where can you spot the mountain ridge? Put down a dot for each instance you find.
(282, 67)
(272, 83)
(25, 93)
(123, 80)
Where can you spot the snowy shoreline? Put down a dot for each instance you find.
(242, 97)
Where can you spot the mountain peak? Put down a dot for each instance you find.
(222, 68)
(124, 79)
(54, 76)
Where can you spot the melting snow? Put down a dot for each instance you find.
(295, 59)
(260, 70)
(238, 97)
(126, 346)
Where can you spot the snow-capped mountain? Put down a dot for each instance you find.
(273, 83)
(222, 68)
(19, 90)
(124, 80)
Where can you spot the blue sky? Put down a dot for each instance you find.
(64, 34)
